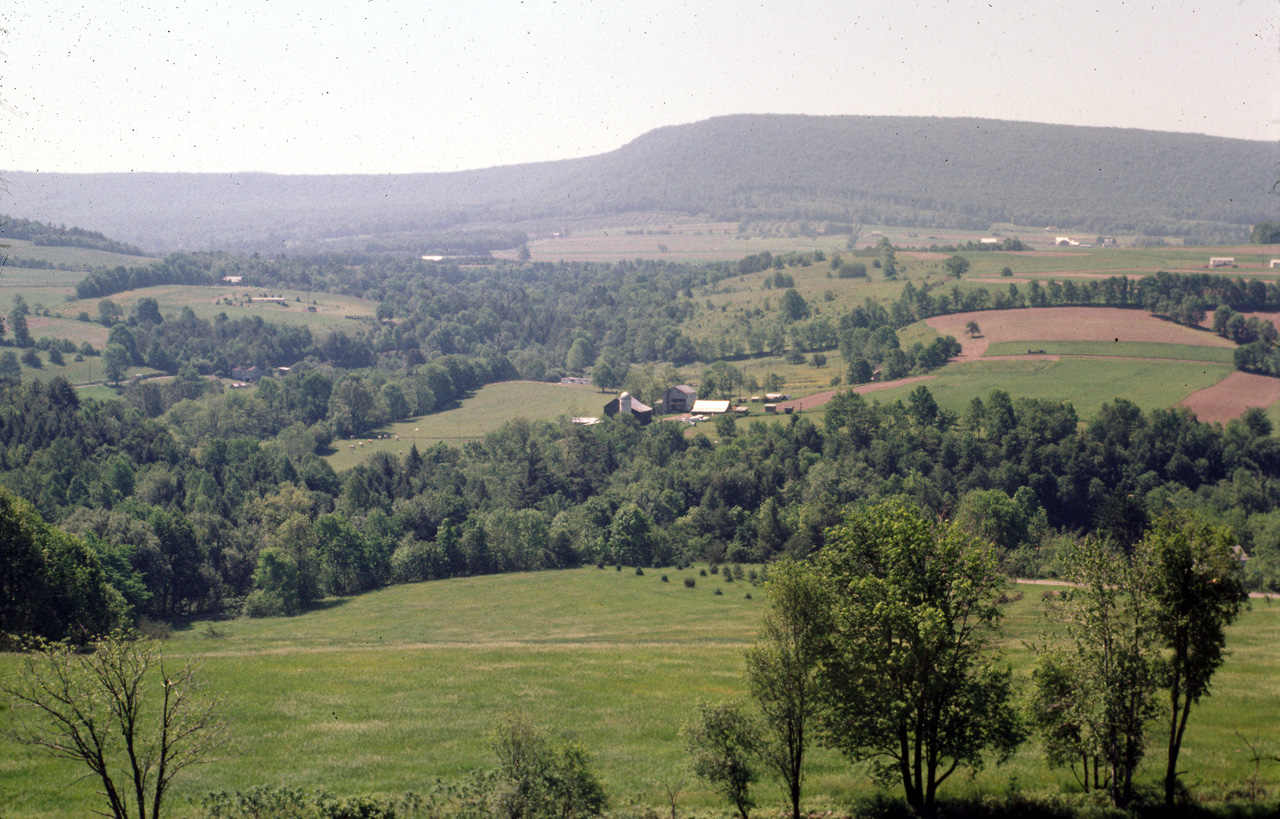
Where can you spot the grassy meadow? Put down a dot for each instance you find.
(1087, 383)
(489, 408)
(385, 691)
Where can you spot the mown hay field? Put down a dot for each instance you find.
(474, 417)
(385, 691)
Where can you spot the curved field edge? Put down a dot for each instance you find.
(383, 692)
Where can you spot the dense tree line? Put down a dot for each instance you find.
(228, 499)
(178, 268)
(41, 234)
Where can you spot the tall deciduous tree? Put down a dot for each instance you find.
(782, 669)
(911, 681)
(1197, 590)
(723, 745)
(1106, 666)
(118, 711)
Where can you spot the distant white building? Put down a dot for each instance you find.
(1222, 261)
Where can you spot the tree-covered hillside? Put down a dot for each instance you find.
(897, 170)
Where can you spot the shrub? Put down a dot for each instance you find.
(618, 567)
(747, 595)
(702, 572)
(719, 591)
(728, 577)
(664, 578)
(639, 572)
(689, 582)
(715, 568)
(154, 629)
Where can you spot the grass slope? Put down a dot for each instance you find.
(384, 691)
(490, 407)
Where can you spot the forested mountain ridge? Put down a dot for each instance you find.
(897, 170)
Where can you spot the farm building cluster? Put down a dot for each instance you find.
(682, 401)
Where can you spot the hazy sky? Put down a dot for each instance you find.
(374, 86)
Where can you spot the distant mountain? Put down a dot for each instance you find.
(899, 170)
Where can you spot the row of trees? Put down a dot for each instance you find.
(183, 509)
(884, 647)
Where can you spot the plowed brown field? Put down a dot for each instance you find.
(1066, 324)
(1231, 396)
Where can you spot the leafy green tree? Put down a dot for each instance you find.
(109, 313)
(542, 778)
(971, 327)
(18, 322)
(632, 537)
(610, 370)
(580, 355)
(1197, 591)
(793, 306)
(782, 669)
(911, 680)
(859, 371)
(994, 516)
(275, 583)
(724, 747)
(146, 311)
(1107, 664)
(52, 585)
(1265, 233)
(115, 361)
(119, 711)
(956, 266)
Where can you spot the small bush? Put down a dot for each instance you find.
(618, 568)
(599, 564)
(702, 572)
(154, 629)
(715, 568)
(752, 576)
(639, 572)
(689, 582)
(719, 591)
(728, 577)
(664, 578)
(747, 595)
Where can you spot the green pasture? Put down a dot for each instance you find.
(1087, 383)
(663, 236)
(50, 288)
(1124, 349)
(83, 259)
(474, 417)
(385, 691)
(332, 311)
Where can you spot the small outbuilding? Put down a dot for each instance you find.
(1222, 261)
(706, 407)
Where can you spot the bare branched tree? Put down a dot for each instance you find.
(119, 711)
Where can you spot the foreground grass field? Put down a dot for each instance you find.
(385, 691)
